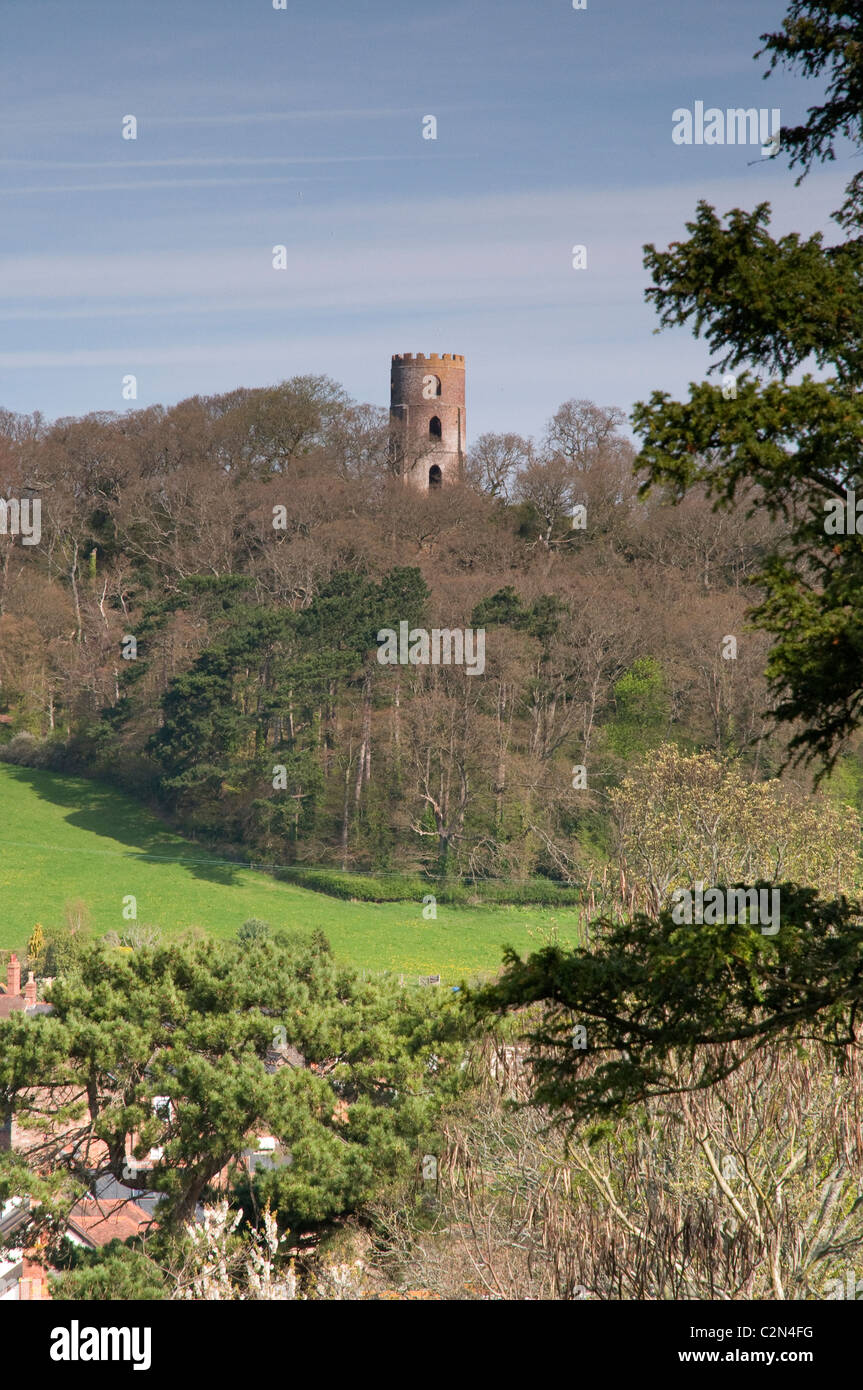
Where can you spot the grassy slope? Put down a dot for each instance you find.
(63, 838)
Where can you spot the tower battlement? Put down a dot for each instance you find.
(453, 357)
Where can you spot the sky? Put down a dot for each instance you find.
(303, 127)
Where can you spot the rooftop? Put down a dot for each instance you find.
(96, 1221)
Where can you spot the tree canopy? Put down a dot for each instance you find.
(229, 1041)
(667, 1007)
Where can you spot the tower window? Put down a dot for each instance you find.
(431, 386)
(435, 427)
(435, 476)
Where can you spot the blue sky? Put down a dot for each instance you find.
(303, 127)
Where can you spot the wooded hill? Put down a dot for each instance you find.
(253, 545)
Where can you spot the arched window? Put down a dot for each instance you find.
(435, 476)
(432, 386)
(435, 427)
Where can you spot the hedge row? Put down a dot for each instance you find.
(392, 888)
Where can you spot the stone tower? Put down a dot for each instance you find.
(428, 418)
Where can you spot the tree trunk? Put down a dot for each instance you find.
(346, 817)
(73, 576)
(367, 730)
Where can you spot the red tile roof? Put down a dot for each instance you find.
(98, 1221)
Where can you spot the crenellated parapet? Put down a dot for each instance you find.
(453, 357)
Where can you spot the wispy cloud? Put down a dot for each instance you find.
(14, 118)
(196, 161)
(132, 186)
(492, 247)
(489, 256)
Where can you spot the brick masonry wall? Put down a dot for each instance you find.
(412, 410)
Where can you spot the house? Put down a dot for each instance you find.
(113, 1214)
(15, 1000)
(96, 1221)
(22, 1278)
(268, 1154)
(13, 1214)
(108, 1189)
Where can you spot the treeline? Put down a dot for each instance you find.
(199, 621)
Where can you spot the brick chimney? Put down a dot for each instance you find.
(33, 1283)
(30, 991)
(13, 975)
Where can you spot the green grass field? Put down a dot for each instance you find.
(65, 839)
